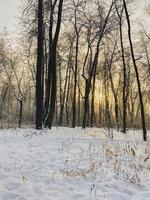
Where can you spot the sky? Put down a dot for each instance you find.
(10, 12)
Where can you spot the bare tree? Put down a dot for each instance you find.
(52, 77)
(136, 72)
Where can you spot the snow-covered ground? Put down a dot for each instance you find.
(73, 164)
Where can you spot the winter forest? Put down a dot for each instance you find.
(77, 63)
(75, 101)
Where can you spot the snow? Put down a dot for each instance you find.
(73, 164)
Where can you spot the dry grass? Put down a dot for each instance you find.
(120, 160)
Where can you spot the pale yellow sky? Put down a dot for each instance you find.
(10, 11)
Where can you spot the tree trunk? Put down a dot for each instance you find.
(39, 72)
(75, 85)
(20, 112)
